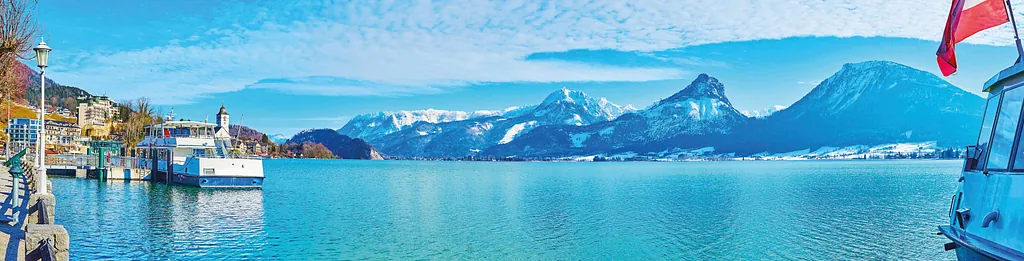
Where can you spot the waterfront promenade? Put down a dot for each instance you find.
(33, 234)
(12, 236)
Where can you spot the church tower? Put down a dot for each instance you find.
(222, 117)
(222, 130)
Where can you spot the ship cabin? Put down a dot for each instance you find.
(998, 148)
(184, 138)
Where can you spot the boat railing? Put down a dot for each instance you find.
(972, 158)
(231, 156)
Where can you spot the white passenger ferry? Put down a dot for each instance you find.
(198, 154)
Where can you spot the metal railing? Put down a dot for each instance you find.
(94, 161)
(127, 162)
(71, 160)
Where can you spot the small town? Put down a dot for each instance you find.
(97, 122)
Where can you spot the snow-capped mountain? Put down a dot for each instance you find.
(867, 103)
(577, 108)
(863, 104)
(373, 126)
(762, 113)
(470, 136)
(701, 108)
(278, 138)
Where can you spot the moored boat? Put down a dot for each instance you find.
(986, 213)
(198, 154)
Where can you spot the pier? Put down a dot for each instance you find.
(98, 167)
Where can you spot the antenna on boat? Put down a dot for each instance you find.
(170, 115)
(1016, 36)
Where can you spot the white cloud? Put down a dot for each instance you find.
(401, 48)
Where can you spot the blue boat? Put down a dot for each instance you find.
(986, 213)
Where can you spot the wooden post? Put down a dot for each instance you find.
(170, 166)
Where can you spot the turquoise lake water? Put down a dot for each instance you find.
(329, 210)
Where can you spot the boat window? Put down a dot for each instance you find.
(986, 129)
(1005, 129)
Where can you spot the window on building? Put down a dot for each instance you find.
(1005, 129)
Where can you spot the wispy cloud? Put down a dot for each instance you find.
(388, 48)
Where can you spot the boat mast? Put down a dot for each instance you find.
(1016, 36)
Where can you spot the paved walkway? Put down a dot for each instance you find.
(12, 236)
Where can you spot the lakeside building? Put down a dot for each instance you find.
(61, 137)
(22, 133)
(250, 147)
(65, 112)
(95, 115)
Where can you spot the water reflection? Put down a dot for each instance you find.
(140, 220)
(329, 210)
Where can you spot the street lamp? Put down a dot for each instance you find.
(42, 53)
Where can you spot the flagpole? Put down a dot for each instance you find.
(1016, 36)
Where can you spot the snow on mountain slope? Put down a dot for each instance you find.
(373, 126)
(469, 136)
(278, 138)
(701, 107)
(515, 130)
(762, 113)
(873, 102)
(577, 108)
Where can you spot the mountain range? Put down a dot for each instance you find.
(441, 138)
(867, 103)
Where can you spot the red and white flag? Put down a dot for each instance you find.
(963, 23)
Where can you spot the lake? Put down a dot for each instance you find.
(338, 209)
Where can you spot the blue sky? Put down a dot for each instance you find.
(293, 65)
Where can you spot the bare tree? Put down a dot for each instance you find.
(18, 31)
(140, 114)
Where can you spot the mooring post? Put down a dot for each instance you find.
(101, 170)
(153, 167)
(170, 166)
(14, 163)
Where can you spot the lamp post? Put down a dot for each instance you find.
(42, 53)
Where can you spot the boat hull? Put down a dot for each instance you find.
(218, 181)
(983, 221)
(214, 172)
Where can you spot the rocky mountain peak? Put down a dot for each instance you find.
(565, 95)
(704, 86)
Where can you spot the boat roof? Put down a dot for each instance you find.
(1009, 76)
(183, 124)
